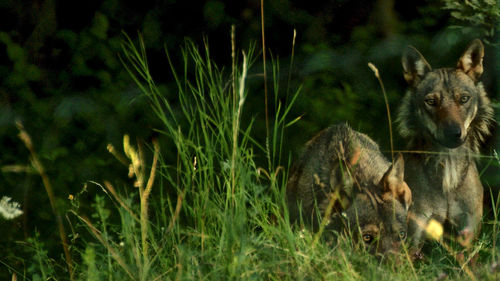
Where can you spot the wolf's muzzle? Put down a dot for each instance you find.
(453, 136)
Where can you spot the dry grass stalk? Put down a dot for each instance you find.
(136, 169)
(144, 199)
(264, 64)
(375, 71)
(177, 211)
(37, 164)
(112, 190)
(104, 242)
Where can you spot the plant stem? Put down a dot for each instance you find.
(26, 139)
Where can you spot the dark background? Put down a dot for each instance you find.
(61, 75)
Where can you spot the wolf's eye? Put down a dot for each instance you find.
(464, 99)
(367, 238)
(431, 102)
(402, 235)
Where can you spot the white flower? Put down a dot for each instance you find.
(9, 210)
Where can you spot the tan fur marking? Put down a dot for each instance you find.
(469, 119)
(371, 228)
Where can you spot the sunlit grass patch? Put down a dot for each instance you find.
(208, 209)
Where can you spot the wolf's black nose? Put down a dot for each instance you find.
(456, 134)
(453, 132)
(452, 136)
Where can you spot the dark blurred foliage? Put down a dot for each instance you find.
(61, 75)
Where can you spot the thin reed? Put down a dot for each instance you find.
(39, 168)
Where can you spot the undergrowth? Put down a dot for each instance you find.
(210, 212)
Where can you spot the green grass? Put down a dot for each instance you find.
(207, 210)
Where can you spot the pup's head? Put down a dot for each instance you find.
(443, 105)
(380, 213)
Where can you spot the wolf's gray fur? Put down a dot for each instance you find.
(343, 171)
(445, 116)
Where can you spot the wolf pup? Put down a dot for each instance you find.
(342, 179)
(446, 116)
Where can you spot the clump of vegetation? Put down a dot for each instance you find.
(211, 212)
(210, 203)
(482, 14)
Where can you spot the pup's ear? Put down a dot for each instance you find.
(471, 62)
(393, 183)
(414, 66)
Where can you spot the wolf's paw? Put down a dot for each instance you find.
(417, 256)
(465, 237)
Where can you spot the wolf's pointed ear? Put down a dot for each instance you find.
(414, 65)
(393, 182)
(471, 62)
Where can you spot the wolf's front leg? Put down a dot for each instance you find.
(416, 232)
(466, 207)
(418, 220)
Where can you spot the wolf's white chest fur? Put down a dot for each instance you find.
(451, 167)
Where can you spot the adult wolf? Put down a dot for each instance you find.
(446, 116)
(343, 171)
